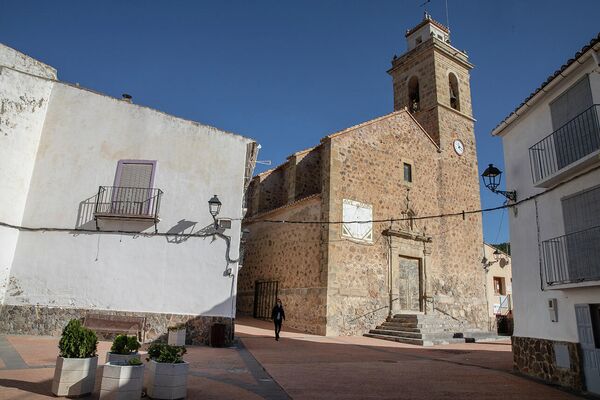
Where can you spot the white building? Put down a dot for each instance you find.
(552, 157)
(498, 284)
(82, 165)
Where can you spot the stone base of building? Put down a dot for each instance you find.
(538, 358)
(50, 321)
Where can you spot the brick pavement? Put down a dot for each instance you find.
(302, 366)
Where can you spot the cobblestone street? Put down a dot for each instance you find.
(302, 366)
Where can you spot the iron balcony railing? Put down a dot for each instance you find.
(572, 258)
(127, 202)
(502, 304)
(569, 143)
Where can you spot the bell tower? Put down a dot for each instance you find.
(431, 80)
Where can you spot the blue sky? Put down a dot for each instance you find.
(287, 73)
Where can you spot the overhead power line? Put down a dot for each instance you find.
(462, 213)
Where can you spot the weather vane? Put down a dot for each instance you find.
(447, 18)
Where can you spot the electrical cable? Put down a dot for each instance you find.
(385, 220)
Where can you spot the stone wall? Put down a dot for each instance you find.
(537, 358)
(308, 173)
(431, 63)
(458, 277)
(367, 166)
(272, 190)
(289, 254)
(50, 321)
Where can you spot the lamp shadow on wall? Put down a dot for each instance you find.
(181, 232)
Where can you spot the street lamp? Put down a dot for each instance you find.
(497, 255)
(491, 179)
(214, 206)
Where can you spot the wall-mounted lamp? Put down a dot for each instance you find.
(499, 257)
(491, 179)
(214, 206)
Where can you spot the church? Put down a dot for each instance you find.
(348, 233)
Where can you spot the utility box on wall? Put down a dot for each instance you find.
(553, 310)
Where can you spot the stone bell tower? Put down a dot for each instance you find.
(431, 80)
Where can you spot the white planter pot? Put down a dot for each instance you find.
(167, 381)
(74, 376)
(120, 358)
(177, 338)
(121, 381)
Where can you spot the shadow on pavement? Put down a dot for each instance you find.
(43, 388)
(348, 367)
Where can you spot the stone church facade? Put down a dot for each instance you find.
(336, 276)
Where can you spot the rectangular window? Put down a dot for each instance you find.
(499, 286)
(575, 131)
(132, 193)
(571, 103)
(407, 172)
(581, 216)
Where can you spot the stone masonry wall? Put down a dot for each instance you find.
(536, 357)
(419, 63)
(443, 67)
(308, 173)
(366, 166)
(289, 254)
(460, 271)
(272, 190)
(50, 321)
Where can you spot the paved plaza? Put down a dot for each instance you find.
(302, 366)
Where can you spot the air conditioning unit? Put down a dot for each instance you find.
(553, 310)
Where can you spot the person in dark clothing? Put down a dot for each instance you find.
(278, 316)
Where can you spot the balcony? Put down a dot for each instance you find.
(127, 203)
(572, 258)
(502, 304)
(572, 147)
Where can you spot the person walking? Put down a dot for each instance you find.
(278, 316)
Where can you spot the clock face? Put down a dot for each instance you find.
(459, 147)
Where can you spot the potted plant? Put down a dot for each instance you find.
(176, 335)
(75, 372)
(122, 380)
(123, 349)
(167, 372)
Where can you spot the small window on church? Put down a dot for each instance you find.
(407, 172)
(418, 40)
(454, 94)
(413, 94)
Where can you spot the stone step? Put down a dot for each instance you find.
(417, 342)
(429, 319)
(422, 327)
(419, 335)
(393, 327)
(386, 332)
(426, 322)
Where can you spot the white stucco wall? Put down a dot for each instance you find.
(84, 136)
(23, 104)
(531, 314)
(499, 269)
(14, 59)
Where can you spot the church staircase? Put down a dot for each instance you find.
(426, 330)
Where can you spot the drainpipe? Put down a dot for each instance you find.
(390, 282)
(425, 278)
